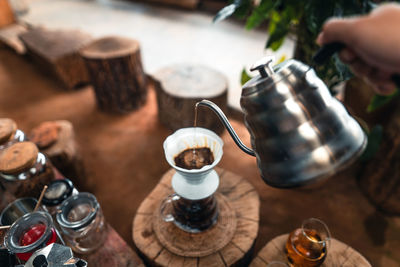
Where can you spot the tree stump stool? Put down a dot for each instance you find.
(228, 243)
(56, 139)
(56, 51)
(339, 254)
(116, 72)
(9, 36)
(187, 4)
(180, 87)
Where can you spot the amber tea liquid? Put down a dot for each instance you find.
(301, 251)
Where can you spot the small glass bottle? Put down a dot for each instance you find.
(56, 193)
(29, 233)
(82, 223)
(30, 173)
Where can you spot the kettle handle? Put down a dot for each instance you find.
(328, 50)
(228, 126)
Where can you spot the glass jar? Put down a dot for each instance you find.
(29, 233)
(30, 180)
(56, 193)
(82, 223)
(16, 136)
(17, 209)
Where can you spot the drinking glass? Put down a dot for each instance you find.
(308, 246)
(82, 223)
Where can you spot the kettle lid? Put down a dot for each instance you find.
(270, 75)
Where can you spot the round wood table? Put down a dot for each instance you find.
(339, 254)
(228, 243)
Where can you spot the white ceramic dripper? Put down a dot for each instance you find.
(194, 184)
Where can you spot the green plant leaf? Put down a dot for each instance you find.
(278, 29)
(225, 12)
(244, 9)
(378, 101)
(374, 142)
(244, 77)
(230, 9)
(260, 13)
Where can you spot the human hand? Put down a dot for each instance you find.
(372, 45)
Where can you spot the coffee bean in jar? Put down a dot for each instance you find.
(24, 171)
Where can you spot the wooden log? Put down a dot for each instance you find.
(339, 254)
(116, 72)
(186, 4)
(56, 139)
(180, 87)
(241, 197)
(9, 36)
(379, 178)
(56, 51)
(6, 14)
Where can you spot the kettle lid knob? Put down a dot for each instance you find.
(264, 66)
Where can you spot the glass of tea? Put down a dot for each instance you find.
(308, 246)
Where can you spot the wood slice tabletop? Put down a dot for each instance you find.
(339, 254)
(243, 199)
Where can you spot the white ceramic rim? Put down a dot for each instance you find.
(188, 131)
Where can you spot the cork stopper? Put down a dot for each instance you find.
(18, 157)
(45, 134)
(7, 129)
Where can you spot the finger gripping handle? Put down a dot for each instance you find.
(326, 51)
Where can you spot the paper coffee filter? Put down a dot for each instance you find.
(187, 138)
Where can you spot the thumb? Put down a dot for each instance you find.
(337, 30)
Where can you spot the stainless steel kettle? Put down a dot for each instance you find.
(299, 132)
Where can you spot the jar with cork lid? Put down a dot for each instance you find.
(24, 171)
(9, 133)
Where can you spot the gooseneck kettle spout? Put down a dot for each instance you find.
(227, 125)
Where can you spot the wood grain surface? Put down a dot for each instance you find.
(179, 87)
(243, 199)
(116, 72)
(56, 52)
(339, 254)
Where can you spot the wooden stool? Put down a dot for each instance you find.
(339, 254)
(9, 35)
(180, 87)
(242, 200)
(116, 72)
(57, 52)
(56, 139)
